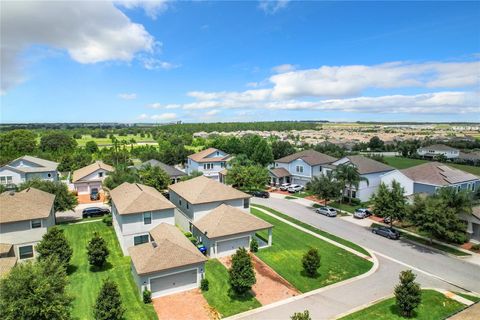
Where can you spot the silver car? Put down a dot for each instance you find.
(328, 211)
(361, 213)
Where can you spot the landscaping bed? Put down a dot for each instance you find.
(84, 283)
(220, 295)
(316, 230)
(434, 306)
(289, 246)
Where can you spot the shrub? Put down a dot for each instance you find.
(407, 293)
(311, 262)
(147, 296)
(187, 234)
(305, 315)
(193, 240)
(107, 220)
(97, 251)
(204, 285)
(476, 247)
(109, 303)
(254, 245)
(242, 276)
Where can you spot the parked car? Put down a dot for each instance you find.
(284, 186)
(361, 213)
(94, 212)
(328, 211)
(94, 194)
(295, 188)
(386, 232)
(202, 248)
(260, 194)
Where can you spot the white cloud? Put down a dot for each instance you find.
(151, 63)
(143, 116)
(158, 105)
(272, 6)
(212, 112)
(152, 8)
(164, 116)
(155, 105)
(90, 31)
(127, 96)
(283, 68)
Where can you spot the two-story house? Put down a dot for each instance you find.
(25, 217)
(300, 168)
(137, 209)
(27, 168)
(437, 150)
(367, 168)
(91, 177)
(209, 162)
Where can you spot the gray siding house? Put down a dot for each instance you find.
(27, 168)
(209, 162)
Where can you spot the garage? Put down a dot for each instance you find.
(228, 247)
(173, 283)
(82, 188)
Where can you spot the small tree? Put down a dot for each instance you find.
(109, 302)
(390, 202)
(54, 244)
(305, 315)
(154, 176)
(407, 293)
(311, 262)
(147, 296)
(326, 186)
(254, 245)
(97, 251)
(242, 276)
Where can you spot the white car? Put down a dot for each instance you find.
(284, 186)
(295, 188)
(328, 211)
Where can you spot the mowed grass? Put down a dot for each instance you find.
(219, 294)
(107, 141)
(290, 244)
(403, 163)
(434, 306)
(85, 284)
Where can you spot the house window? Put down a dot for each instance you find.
(218, 153)
(6, 180)
(300, 169)
(246, 203)
(207, 166)
(222, 164)
(180, 202)
(36, 223)
(147, 218)
(25, 252)
(100, 174)
(188, 205)
(140, 239)
(49, 175)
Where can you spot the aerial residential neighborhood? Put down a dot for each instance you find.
(241, 160)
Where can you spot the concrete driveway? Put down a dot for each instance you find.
(76, 214)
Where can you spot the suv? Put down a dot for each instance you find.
(260, 194)
(386, 232)
(94, 194)
(94, 212)
(328, 211)
(295, 188)
(361, 213)
(284, 186)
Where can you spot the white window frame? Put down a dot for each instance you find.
(246, 203)
(141, 235)
(299, 169)
(20, 256)
(31, 223)
(145, 217)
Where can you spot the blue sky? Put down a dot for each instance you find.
(157, 61)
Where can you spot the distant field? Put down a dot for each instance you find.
(403, 163)
(107, 141)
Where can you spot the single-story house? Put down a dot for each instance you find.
(225, 229)
(171, 171)
(196, 197)
(438, 149)
(91, 177)
(428, 177)
(28, 168)
(136, 209)
(168, 264)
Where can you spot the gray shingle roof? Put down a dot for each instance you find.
(437, 173)
(311, 157)
(172, 172)
(366, 165)
(280, 172)
(43, 165)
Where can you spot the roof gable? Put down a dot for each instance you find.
(206, 155)
(311, 157)
(91, 168)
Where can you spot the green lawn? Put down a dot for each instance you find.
(107, 141)
(219, 294)
(434, 306)
(345, 206)
(403, 163)
(85, 284)
(317, 231)
(289, 246)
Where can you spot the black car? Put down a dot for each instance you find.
(386, 232)
(260, 194)
(94, 194)
(94, 212)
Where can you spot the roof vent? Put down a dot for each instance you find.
(154, 244)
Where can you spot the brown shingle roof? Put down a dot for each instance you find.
(28, 204)
(200, 156)
(170, 249)
(6, 264)
(5, 248)
(280, 172)
(437, 174)
(366, 165)
(226, 220)
(311, 157)
(204, 190)
(91, 168)
(134, 198)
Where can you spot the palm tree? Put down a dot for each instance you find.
(326, 186)
(349, 175)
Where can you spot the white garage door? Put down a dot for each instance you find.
(96, 185)
(173, 283)
(228, 247)
(82, 189)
